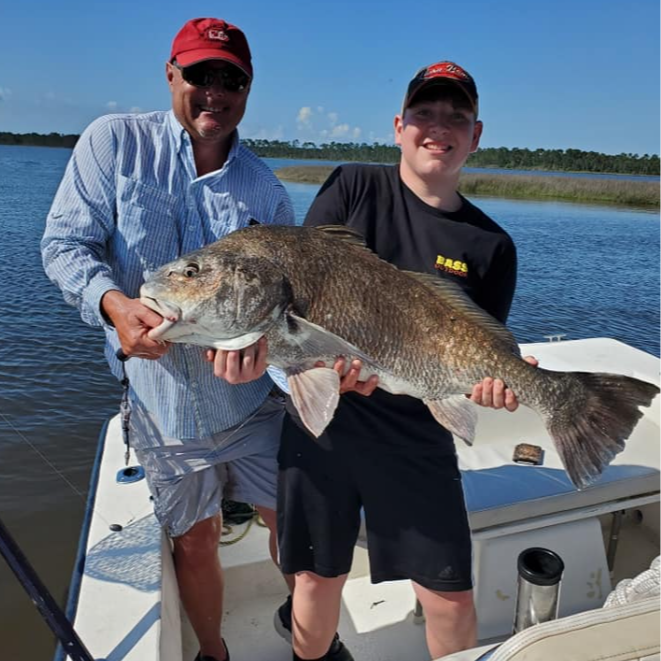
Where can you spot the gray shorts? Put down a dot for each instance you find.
(188, 479)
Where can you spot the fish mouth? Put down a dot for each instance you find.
(171, 315)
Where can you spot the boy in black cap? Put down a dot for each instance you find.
(386, 453)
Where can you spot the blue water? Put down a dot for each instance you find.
(584, 271)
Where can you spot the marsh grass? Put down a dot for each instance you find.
(637, 194)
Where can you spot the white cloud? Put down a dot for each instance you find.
(5, 93)
(135, 109)
(112, 105)
(388, 139)
(262, 133)
(304, 115)
(340, 131)
(318, 126)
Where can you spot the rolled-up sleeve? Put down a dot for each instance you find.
(81, 221)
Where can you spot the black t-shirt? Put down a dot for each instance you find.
(465, 246)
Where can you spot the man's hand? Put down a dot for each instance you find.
(240, 366)
(132, 321)
(349, 382)
(492, 393)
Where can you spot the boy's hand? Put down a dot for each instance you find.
(241, 366)
(492, 393)
(349, 382)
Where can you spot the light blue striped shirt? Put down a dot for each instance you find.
(130, 200)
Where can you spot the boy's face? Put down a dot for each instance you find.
(437, 132)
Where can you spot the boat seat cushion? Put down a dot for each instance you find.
(624, 633)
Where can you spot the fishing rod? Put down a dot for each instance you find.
(42, 598)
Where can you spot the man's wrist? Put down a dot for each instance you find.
(110, 303)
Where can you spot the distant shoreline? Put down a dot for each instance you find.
(490, 158)
(623, 193)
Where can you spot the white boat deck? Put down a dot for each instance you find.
(128, 608)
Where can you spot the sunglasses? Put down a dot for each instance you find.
(202, 75)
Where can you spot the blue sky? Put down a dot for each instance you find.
(558, 74)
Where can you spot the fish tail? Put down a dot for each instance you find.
(598, 414)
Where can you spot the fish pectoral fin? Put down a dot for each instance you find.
(313, 340)
(457, 414)
(315, 394)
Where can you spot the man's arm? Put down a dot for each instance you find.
(80, 222)
(75, 244)
(284, 213)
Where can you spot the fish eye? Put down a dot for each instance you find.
(191, 270)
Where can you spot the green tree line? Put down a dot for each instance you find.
(567, 160)
(38, 139)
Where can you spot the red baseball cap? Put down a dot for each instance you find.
(211, 39)
(442, 73)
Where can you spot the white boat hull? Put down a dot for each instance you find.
(126, 601)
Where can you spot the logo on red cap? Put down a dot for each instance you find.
(218, 35)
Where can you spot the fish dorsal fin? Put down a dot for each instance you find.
(456, 297)
(343, 233)
(452, 293)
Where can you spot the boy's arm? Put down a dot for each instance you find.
(499, 284)
(497, 298)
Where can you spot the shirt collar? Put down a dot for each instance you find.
(177, 131)
(182, 139)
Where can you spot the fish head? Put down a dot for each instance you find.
(214, 298)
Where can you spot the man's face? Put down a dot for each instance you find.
(211, 113)
(437, 133)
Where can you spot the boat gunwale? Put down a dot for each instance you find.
(71, 608)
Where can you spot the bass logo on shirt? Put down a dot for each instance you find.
(453, 266)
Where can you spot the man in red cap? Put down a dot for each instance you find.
(386, 454)
(139, 191)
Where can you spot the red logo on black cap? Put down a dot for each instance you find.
(446, 70)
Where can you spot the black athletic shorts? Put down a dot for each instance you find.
(410, 493)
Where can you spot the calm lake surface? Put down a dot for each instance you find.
(584, 271)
